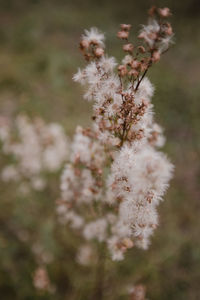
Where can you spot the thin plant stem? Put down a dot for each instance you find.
(100, 275)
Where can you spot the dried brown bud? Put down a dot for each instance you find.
(101, 110)
(122, 70)
(138, 293)
(127, 189)
(164, 12)
(99, 52)
(123, 34)
(141, 49)
(141, 35)
(87, 56)
(139, 135)
(142, 225)
(94, 42)
(152, 10)
(156, 56)
(127, 243)
(84, 44)
(154, 226)
(135, 64)
(140, 237)
(145, 63)
(128, 48)
(121, 246)
(125, 27)
(150, 197)
(152, 35)
(168, 29)
(133, 73)
(143, 67)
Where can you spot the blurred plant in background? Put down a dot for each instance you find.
(33, 148)
(31, 151)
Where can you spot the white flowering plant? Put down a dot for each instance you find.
(116, 175)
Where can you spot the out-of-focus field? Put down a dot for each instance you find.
(38, 56)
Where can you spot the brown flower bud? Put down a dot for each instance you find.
(152, 10)
(127, 243)
(164, 12)
(84, 44)
(154, 226)
(149, 197)
(133, 73)
(168, 29)
(135, 64)
(143, 66)
(156, 56)
(87, 56)
(122, 70)
(141, 35)
(123, 34)
(141, 49)
(94, 42)
(99, 52)
(125, 27)
(128, 48)
(140, 237)
(152, 35)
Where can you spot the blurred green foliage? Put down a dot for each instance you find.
(38, 56)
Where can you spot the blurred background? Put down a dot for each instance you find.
(38, 56)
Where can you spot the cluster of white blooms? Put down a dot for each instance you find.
(138, 180)
(81, 182)
(116, 176)
(157, 35)
(149, 32)
(34, 148)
